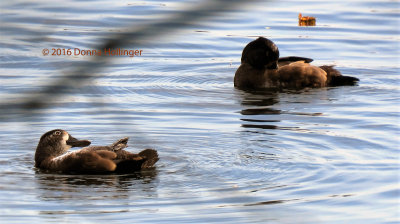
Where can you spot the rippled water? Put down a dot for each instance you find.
(327, 155)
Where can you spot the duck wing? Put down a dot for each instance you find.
(290, 59)
(120, 144)
(115, 147)
(334, 77)
(126, 161)
(82, 161)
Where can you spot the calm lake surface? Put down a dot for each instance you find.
(327, 155)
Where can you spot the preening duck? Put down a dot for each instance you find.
(52, 154)
(261, 67)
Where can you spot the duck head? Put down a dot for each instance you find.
(261, 53)
(55, 143)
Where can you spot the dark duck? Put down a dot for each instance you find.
(51, 154)
(261, 67)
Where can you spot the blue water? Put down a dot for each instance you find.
(327, 155)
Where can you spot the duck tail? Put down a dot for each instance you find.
(343, 81)
(151, 157)
(129, 165)
(335, 78)
(120, 144)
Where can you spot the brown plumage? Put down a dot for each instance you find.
(51, 154)
(261, 67)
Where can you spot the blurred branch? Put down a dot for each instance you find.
(135, 36)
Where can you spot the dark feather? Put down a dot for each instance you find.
(294, 59)
(335, 78)
(151, 156)
(129, 162)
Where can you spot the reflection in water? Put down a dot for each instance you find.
(59, 186)
(260, 102)
(257, 111)
(81, 195)
(260, 126)
(259, 98)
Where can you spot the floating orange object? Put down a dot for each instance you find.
(306, 20)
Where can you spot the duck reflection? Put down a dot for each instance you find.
(62, 186)
(257, 103)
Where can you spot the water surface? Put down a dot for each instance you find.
(327, 155)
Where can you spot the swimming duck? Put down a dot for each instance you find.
(51, 154)
(261, 67)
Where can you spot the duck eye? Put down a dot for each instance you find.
(57, 132)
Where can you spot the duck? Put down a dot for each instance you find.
(52, 155)
(261, 67)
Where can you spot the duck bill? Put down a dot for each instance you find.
(73, 142)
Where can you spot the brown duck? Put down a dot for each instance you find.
(261, 67)
(51, 154)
